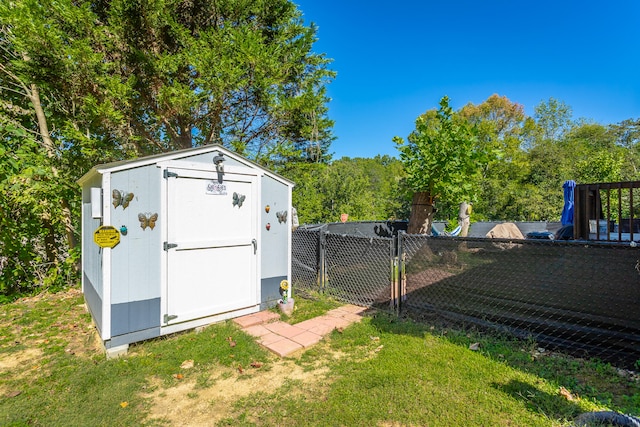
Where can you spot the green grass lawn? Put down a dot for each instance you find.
(380, 372)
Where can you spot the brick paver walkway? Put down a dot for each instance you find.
(284, 339)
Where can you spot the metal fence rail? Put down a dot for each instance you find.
(581, 297)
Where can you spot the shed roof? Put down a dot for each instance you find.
(174, 155)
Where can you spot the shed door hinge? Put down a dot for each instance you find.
(169, 317)
(166, 246)
(168, 174)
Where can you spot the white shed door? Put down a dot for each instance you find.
(212, 267)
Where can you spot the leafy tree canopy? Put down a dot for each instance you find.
(442, 156)
(154, 76)
(86, 82)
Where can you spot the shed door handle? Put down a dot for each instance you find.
(254, 242)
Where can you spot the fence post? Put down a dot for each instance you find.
(393, 302)
(322, 251)
(400, 279)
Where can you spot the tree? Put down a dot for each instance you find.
(627, 136)
(500, 125)
(384, 175)
(85, 82)
(235, 72)
(545, 142)
(441, 159)
(366, 189)
(592, 154)
(307, 199)
(551, 121)
(36, 194)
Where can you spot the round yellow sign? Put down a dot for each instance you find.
(106, 236)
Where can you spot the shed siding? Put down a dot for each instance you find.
(135, 316)
(207, 158)
(94, 302)
(274, 265)
(270, 291)
(91, 255)
(136, 259)
(133, 337)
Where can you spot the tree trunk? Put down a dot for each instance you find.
(68, 224)
(463, 218)
(422, 211)
(50, 248)
(34, 97)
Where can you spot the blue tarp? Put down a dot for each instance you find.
(567, 211)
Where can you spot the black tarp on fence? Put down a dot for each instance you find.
(582, 297)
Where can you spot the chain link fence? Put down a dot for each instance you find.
(580, 297)
(305, 259)
(359, 270)
(354, 269)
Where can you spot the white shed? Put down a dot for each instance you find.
(179, 240)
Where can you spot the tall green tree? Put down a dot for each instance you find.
(366, 189)
(442, 159)
(37, 189)
(593, 154)
(627, 136)
(307, 197)
(152, 76)
(500, 126)
(554, 119)
(384, 176)
(550, 159)
(235, 72)
(86, 82)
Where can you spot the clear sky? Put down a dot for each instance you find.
(396, 60)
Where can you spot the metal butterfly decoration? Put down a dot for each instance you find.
(238, 199)
(282, 216)
(147, 220)
(121, 198)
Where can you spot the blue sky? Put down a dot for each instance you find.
(396, 60)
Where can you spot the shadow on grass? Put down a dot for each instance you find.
(388, 322)
(540, 401)
(591, 379)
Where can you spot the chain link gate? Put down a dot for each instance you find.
(359, 270)
(354, 269)
(305, 260)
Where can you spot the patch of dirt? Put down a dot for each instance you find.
(188, 405)
(21, 359)
(20, 364)
(426, 277)
(71, 325)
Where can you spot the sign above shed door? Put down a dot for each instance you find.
(211, 246)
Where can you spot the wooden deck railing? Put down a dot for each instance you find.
(606, 211)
